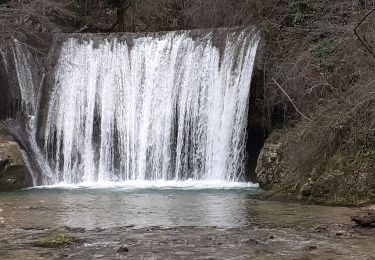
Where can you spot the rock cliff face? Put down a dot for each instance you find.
(13, 171)
(320, 104)
(345, 178)
(269, 168)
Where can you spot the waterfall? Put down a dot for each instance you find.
(168, 106)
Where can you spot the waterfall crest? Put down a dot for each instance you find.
(166, 107)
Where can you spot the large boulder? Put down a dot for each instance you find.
(14, 174)
(268, 169)
(271, 166)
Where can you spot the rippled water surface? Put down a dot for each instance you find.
(166, 204)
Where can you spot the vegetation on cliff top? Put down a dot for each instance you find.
(326, 153)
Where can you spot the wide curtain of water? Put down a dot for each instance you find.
(167, 106)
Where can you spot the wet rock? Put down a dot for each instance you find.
(321, 229)
(365, 220)
(13, 171)
(334, 230)
(37, 208)
(252, 241)
(37, 228)
(342, 233)
(127, 227)
(123, 249)
(74, 230)
(313, 247)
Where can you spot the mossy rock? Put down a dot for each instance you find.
(58, 240)
(347, 177)
(14, 174)
(270, 163)
(13, 171)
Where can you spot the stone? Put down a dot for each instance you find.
(366, 220)
(14, 174)
(269, 160)
(252, 241)
(310, 248)
(123, 249)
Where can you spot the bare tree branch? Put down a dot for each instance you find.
(291, 101)
(359, 38)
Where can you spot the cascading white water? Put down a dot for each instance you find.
(168, 107)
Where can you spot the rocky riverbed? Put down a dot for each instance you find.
(64, 225)
(340, 241)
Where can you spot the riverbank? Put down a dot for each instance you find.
(345, 177)
(319, 103)
(322, 242)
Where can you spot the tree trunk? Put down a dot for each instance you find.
(121, 18)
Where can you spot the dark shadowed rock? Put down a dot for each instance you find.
(123, 249)
(313, 247)
(13, 171)
(365, 220)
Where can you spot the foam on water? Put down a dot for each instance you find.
(159, 184)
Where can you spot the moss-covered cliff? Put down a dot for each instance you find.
(346, 177)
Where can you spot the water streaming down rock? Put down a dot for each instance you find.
(168, 106)
(30, 84)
